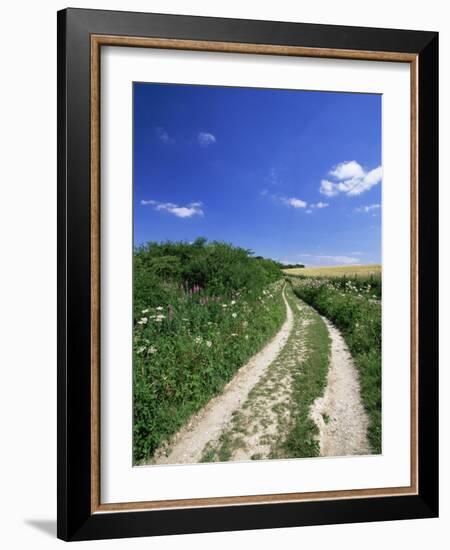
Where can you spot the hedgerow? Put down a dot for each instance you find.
(201, 310)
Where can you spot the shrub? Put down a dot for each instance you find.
(201, 310)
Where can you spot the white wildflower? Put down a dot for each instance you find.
(233, 302)
(234, 315)
(152, 349)
(224, 305)
(141, 349)
(159, 308)
(209, 343)
(144, 311)
(143, 321)
(198, 339)
(233, 334)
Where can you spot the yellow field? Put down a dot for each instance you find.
(337, 271)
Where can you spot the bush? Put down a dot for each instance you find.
(201, 310)
(218, 269)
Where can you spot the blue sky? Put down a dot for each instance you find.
(292, 175)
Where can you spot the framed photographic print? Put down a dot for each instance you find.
(248, 295)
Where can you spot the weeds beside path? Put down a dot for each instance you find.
(298, 397)
(188, 444)
(274, 421)
(354, 307)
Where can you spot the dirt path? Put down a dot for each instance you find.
(259, 427)
(187, 446)
(340, 414)
(253, 416)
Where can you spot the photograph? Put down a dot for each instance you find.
(257, 274)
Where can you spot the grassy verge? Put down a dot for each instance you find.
(274, 421)
(185, 353)
(200, 309)
(355, 309)
(309, 381)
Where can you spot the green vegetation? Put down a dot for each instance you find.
(310, 378)
(201, 310)
(274, 420)
(354, 306)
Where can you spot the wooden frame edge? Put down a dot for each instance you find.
(261, 49)
(254, 499)
(237, 47)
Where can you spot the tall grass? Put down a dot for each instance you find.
(201, 310)
(355, 308)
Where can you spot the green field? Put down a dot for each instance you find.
(337, 271)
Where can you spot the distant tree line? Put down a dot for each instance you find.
(291, 266)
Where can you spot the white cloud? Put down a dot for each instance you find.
(368, 208)
(191, 209)
(351, 179)
(309, 211)
(347, 170)
(163, 136)
(374, 176)
(328, 188)
(205, 139)
(296, 203)
(319, 205)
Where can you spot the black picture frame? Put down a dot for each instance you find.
(75, 518)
